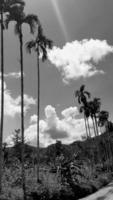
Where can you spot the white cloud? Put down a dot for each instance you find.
(67, 129)
(79, 58)
(70, 112)
(28, 101)
(13, 75)
(12, 105)
(33, 119)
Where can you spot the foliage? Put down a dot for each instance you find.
(78, 174)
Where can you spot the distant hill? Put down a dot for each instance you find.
(92, 148)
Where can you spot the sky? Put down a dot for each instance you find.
(82, 35)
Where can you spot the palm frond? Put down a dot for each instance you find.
(79, 100)
(16, 14)
(96, 99)
(16, 11)
(40, 31)
(77, 95)
(30, 45)
(40, 44)
(8, 5)
(82, 88)
(32, 20)
(87, 93)
(7, 20)
(44, 53)
(17, 29)
(17, 2)
(49, 43)
(81, 109)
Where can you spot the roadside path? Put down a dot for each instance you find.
(105, 193)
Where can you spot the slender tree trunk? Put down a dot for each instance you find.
(96, 123)
(100, 130)
(86, 126)
(22, 112)
(94, 127)
(2, 99)
(38, 115)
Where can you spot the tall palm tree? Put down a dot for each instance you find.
(85, 110)
(94, 107)
(20, 18)
(82, 96)
(91, 110)
(2, 94)
(40, 46)
(96, 110)
(5, 7)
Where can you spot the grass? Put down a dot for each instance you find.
(11, 183)
(86, 180)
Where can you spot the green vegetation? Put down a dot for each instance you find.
(66, 171)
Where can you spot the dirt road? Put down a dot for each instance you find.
(105, 193)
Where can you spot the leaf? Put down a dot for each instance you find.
(30, 45)
(87, 93)
(32, 20)
(40, 44)
(82, 88)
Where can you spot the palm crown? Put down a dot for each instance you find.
(9, 5)
(86, 111)
(94, 106)
(17, 14)
(82, 95)
(40, 44)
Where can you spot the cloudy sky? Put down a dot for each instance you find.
(82, 33)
